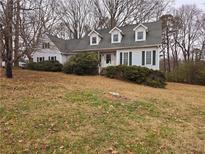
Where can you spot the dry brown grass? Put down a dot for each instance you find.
(55, 112)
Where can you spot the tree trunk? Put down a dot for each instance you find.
(1, 52)
(8, 38)
(17, 33)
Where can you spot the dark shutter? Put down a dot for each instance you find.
(154, 58)
(130, 58)
(143, 57)
(120, 58)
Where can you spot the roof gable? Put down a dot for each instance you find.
(115, 28)
(94, 31)
(140, 25)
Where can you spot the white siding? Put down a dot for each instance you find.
(137, 57)
(46, 53)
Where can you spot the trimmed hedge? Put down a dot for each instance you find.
(82, 64)
(49, 66)
(136, 74)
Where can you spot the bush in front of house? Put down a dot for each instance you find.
(190, 72)
(82, 64)
(50, 66)
(136, 74)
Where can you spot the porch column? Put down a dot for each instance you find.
(99, 63)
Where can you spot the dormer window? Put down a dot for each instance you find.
(94, 40)
(140, 35)
(95, 37)
(116, 35)
(115, 38)
(140, 32)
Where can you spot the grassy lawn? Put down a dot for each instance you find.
(56, 113)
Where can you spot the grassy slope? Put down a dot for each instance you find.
(60, 113)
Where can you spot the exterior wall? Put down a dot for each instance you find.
(103, 59)
(46, 53)
(137, 57)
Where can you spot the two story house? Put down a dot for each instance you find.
(138, 44)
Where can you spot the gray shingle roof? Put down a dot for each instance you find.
(128, 40)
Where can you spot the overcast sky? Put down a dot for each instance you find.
(200, 3)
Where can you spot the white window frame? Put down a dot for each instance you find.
(142, 36)
(146, 60)
(110, 59)
(119, 38)
(46, 45)
(113, 38)
(123, 58)
(50, 58)
(39, 59)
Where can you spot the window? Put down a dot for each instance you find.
(140, 35)
(94, 40)
(108, 58)
(46, 45)
(40, 59)
(52, 58)
(115, 38)
(126, 58)
(148, 58)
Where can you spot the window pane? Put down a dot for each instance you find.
(125, 58)
(94, 40)
(140, 35)
(115, 38)
(108, 58)
(148, 57)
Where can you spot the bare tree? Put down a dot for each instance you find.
(17, 32)
(190, 30)
(167, 22)
(8, 37)
(111, 13)
(75, 16)
(1, 49)
(39, 20)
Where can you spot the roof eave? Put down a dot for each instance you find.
(118, 48)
